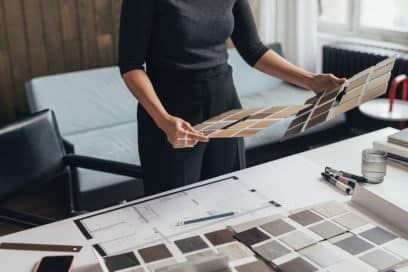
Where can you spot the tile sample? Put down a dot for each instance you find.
(379, 259)
(247, 132)
(378, 235)
(327, 229)
(253, 223)
(351, 265)
(294, 130)
(257, 266)
(220, 237)
(160, 266)
(330, 209)
(351, 221)
(322, 109)
(121, 261)
(264, 124)
(298, 240)
(354, 245)
(277, 227)
(154, 253)
(329, 96)
(235, 251)
(271, 250)
(191, 244)
(324, 254)
(305, 217)
(297, 265)
(317, 120)
(252, 236)
(246, 122)
(200, 255)
(398, 247)
(299, 120)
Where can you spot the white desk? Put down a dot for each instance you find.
(293, 181)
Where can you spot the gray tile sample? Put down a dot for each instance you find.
(277, 227)
(378, 235)
(271, 250)
(305, 217)
(354, 245)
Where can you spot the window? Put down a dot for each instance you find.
(334, 11)
(384, 20)
(385, 14)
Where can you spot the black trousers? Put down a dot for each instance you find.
(194, 96)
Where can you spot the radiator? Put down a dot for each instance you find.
(347, 59)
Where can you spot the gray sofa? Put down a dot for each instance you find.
(97, 114)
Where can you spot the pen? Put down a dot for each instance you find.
(346, 174)
(197, 220)
(340, 185)
(348, 181)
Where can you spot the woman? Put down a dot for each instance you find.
(188, 80)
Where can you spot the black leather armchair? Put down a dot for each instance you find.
(33, 152)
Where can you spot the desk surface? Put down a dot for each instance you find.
(293, 181)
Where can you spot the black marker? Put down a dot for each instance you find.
(340, 185)
(346, 174)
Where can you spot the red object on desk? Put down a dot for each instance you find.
(401, 79)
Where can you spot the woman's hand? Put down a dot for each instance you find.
(180, 133)
(325, 82)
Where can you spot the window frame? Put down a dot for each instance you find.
(356, 30)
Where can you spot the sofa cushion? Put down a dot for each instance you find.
(84, 100)
(248, 80)
(283, 94)
(118, 143)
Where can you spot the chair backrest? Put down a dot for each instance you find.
(31, 152)
(84, 100)
(248, 80)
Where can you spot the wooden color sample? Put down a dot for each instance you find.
(305, 217)
(247, 132)
(191, 244)
(322, 109)
(220, 237)
(317, 120)
(245, 124)
(329, 96)
(252, 236)
(349, 105)
(375, 92)
(358, 80)
(154, 253)
(264, 123)
(382, 70)
(294, 130)
(351, 93)
(224, 133)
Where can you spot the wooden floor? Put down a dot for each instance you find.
(49, 200)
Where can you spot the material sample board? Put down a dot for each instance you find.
(247, 122)
(362, 87)
(315, 238)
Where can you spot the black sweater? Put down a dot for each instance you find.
(185, 34)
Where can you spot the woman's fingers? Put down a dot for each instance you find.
(188, 127)
(184, 143)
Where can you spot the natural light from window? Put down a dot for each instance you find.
(385, 14)
(334, 11)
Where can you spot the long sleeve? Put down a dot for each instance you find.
(245, 35)
(135, 31)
